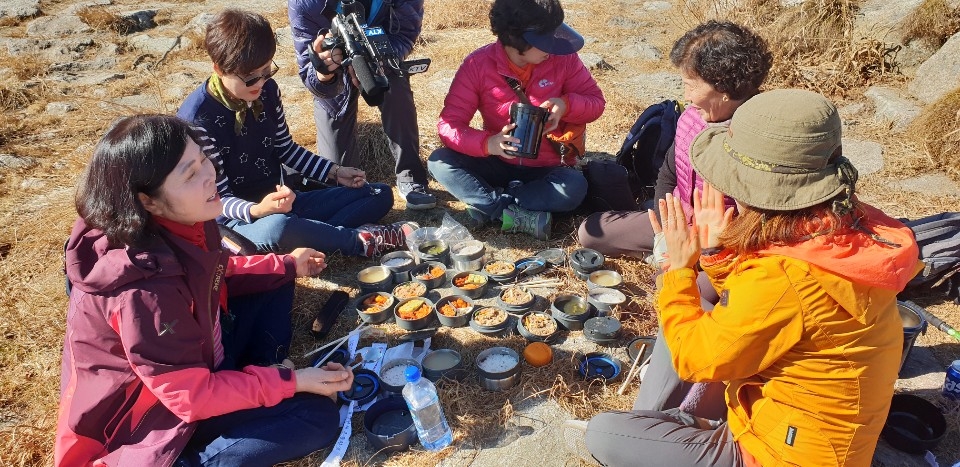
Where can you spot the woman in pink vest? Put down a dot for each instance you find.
(722, 65)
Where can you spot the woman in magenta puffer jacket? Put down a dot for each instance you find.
(537, 50)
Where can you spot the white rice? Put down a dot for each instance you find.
(394, 376)
(606, 297)
(469, 250)
(396, 262)
(497, 363)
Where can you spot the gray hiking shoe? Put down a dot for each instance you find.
(416, 196)
(533, 223)
(574, 439)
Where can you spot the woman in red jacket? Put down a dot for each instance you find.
(536, 52)
(173, 347)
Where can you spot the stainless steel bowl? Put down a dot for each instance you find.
(375, 279)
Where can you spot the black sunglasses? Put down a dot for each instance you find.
(250, 82)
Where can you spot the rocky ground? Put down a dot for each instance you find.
(66, 72)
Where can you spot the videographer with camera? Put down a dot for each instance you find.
(336, 88)
(532, 70)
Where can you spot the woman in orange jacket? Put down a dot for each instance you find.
(806, 333)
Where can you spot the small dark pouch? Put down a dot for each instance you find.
(328, 314)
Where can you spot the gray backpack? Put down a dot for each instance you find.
(939, 240)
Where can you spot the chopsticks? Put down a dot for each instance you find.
(535, 283)
(634, 370)
(337, 342)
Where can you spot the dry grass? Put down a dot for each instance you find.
(933, 22)
(100, 19)
(813, 48)
(937, 131)
(457, 14)
(813, 44)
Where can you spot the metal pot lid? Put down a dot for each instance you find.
(587, 259)
(530, 266)
(634, 347)
(366, 385)
(554, 256)
(599, 365)
(602, 327)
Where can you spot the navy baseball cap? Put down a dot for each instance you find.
(561, 41)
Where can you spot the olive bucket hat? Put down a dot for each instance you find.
(780, 153)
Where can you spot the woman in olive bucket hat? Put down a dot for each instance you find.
(806, 333)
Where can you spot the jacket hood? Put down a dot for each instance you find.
(854, 267)
(94, 266)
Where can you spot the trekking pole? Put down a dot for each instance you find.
(939, 324)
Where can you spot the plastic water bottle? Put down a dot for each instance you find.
(421, 397)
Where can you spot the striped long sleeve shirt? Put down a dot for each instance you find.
(249, 163)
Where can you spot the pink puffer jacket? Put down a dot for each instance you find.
(480, 85)
(689, 126)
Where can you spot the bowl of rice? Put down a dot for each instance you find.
(399, 263)
(606, 300)
(498, 368)
(392, 374)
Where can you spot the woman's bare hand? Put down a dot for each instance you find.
(275, 202)
(557, 108)
(683, 241)
(499, 143)
(712, 216)
(326, 381)
(310, 262)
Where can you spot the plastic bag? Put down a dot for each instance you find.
(450, 231)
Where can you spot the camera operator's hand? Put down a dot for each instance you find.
(557, 108)
(353, 77)
(331, 58)
(500, 142)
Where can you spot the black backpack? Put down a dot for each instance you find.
(646, 145)
(939, 239)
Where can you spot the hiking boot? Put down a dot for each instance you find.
(574, 439)
(416, 196)
(533, 223)
(477, 217)
(379, 239)
(513, 186)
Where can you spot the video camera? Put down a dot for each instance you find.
(368, 50)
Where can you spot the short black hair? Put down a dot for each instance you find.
(134, 156)
(731, 58)
(509, 19)
(239, 42)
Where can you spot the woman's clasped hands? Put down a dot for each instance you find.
(683, 241)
